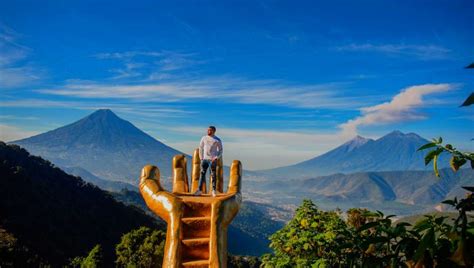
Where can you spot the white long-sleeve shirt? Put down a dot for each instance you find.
(210, 147)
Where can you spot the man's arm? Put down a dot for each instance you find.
(220, 149)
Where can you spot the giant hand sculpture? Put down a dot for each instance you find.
(197, 225)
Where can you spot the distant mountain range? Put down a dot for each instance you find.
(395, 151)
(104, 149)
(103, 145)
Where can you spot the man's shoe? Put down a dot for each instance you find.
(198, 192)
(213, 193)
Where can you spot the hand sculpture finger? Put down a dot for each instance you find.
(235, 177)
(156, 198)
(220, 175)
(231, 204)
(180, 174)
(196, 172)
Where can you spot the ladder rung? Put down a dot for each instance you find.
(195, 241)
(195, 263)
(193, 219)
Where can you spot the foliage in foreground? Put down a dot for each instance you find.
(234, 261)
(316, 238)
(141, 248)
(94, 259)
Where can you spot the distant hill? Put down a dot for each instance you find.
(104, 145)
(56, 215)
(113, 186)
(395, 151)
(398, 192)
(412, 187)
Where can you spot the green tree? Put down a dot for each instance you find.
(142, 247)
(310, 239)
(94, 259)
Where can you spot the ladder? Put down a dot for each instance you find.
(196, 225)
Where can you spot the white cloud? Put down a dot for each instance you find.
(425, 52)
(272, 92)
(403, 107)
(11, 133)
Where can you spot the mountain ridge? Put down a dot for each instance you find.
(391, 152)
(104, 145)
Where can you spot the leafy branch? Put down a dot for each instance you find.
(458, 158)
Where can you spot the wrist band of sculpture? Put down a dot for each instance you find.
(197, 225)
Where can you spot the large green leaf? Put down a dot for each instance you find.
(426, 146)
(368, 226)
(456, 163)
(422, 225)
(427, 241)
(432, 154)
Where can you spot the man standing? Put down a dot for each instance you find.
(210, 150)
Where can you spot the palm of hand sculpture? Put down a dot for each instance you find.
(197, 225)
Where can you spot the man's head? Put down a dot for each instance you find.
(211, 130)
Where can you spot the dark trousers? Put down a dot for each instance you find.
(205, 163)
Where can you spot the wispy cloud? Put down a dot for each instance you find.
(175, 61)
(139, 109)
(233, 90)
(129, 70)
(14, 117)
(15, 69)
(127, 54)
(425, 52)
(403, 107)
(148, 65)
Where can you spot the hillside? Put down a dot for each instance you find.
(395, 151)
(56, 215)
(113, 186)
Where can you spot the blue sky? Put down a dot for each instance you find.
(283, 81)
